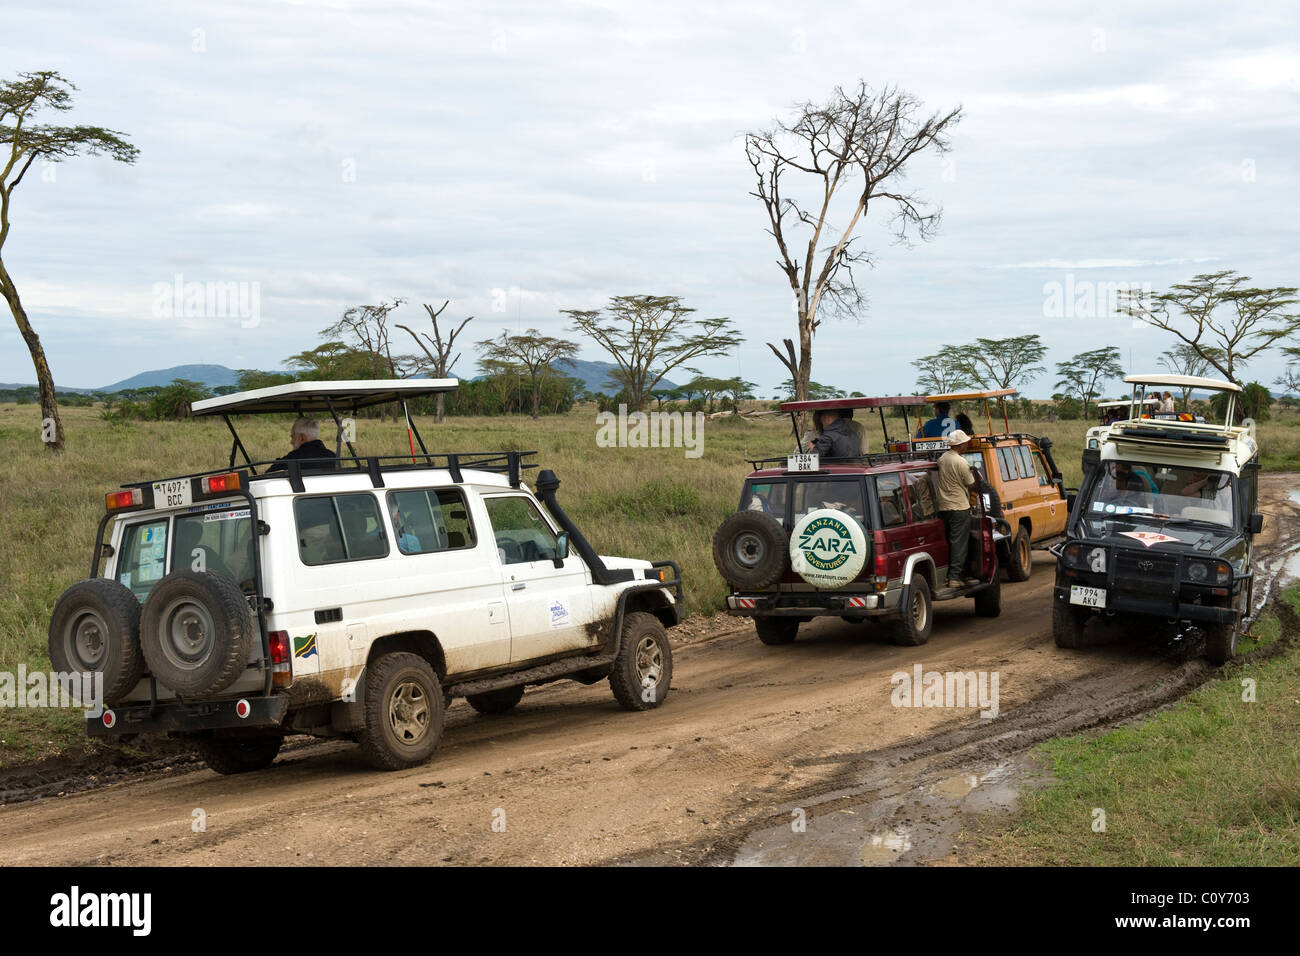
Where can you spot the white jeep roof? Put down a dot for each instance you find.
(301, 397)
(1183, 381)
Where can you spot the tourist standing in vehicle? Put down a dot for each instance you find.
(1167, 403)
(940, 425)
(304, 436)
(955, 481)
(836, 437)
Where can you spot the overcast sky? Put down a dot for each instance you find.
(523, 159)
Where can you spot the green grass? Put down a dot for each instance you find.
(1212, 781)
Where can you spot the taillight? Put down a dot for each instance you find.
(216, 484)
(279, 641)
(117, 500)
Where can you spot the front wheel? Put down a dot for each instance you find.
(1221, 642)
(1021, 560)
(1068, 625)
(988, 602)
(404, 712)
(913, 625)
(643, 670)
(231, 755)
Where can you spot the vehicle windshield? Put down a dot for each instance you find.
(1149, 491)
(218, 540)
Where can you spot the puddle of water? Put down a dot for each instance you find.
(1294, 495)
(885, 847)
(955, 788)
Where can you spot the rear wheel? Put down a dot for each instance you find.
(643, 670)
(230, 755)
(496, 701)
(1068, 624)
(913, 626)
(777, 630)
(1221, 642)
(404, 711)
(1021, 559)
(988, 602)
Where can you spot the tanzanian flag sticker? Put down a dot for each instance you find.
(305, 646)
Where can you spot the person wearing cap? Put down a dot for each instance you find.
(955, 481)
(836, 437)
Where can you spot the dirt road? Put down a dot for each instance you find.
(752, 740)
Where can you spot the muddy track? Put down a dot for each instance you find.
(749, 735)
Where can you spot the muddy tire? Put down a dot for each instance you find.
(642, 673)
(95, 628)
(751, 550)
(1221, 642)
(496, 701)
(197, 632)
(1020, 559)
(403, 711)
(777, 630)
(231, 755)
(1068, 625)
(988, 602)
(912, 627)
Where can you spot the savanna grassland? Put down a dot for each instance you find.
(652, 503)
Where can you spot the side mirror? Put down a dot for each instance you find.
(1255, 523)
(562, 546)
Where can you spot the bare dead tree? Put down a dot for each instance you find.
(859, 141)
(440, 360)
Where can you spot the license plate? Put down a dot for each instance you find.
(802, 462)
(929, 445)
(1088, 597)
(172, 494)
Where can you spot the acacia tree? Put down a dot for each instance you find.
(365, 328)
(859, 142)
(20, 101)
(650, 335)
(1001, 363)
(944, 371)
(1082, 375)
(533, 354)
(1219, 315)
(1182, 359)
(440, 360)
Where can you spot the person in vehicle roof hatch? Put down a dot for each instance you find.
(964, 423)
(304, 436)
(955, 481)
(939, 426)
(836, 437)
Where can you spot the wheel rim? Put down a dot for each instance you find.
(918, 610)
(1024, 553)
(748, 549)
(188, 633)
(408, 712)
(87, 638)
(649, 661)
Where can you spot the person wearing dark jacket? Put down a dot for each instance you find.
(304, 436)
(837, 438)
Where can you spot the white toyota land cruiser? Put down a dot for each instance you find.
(351, 597)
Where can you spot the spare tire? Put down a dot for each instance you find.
(829, 548)
(749, 549)
(196, 632)
(95, 628)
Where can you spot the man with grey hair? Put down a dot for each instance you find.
(304, 436)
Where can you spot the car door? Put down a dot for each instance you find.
(549, 599)
(923, 499)
(896, 534)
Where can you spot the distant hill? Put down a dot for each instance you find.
(213, 376)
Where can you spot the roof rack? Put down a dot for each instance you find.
(509, 463)
(870, 460)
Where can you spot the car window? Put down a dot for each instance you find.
(428, 519)
(1007, 465)
(889, 488)
(522, 534)
(339, 528)
(921, 494)
(767, 497)
(843, 495)
(1026, 461)
(1040, 469)
(220, 541)
(143, 559)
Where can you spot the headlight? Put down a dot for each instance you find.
(1198, 572)
(1222, 573)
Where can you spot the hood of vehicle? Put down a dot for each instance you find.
(1152, 536)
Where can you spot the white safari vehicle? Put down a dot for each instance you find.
(351, 597)
(1164, 522)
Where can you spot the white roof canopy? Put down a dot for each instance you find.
(1183, 381)
(302, 397)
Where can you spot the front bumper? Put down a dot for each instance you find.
(174, 717)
